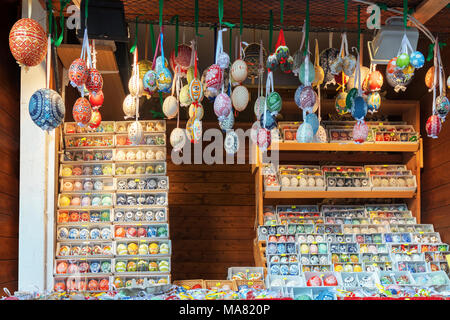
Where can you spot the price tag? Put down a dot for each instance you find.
(83, 139)
(218, 284)
(448, 258)
(283, 255)
(137, 180)
(83, 259)
(247, 270)
(250, 283)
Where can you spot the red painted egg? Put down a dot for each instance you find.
(142, 232)
(433, 126)
(59, 286)
(28, 42)
(96, 100)
(96, 119)
(104, 284)
(94, 81)
(120, 232)
(61, 267)
(360, 132)
(213, 78)
(82, 111)
(78, 72)
(131, 232)
(93, 285)
(330, 281)
(314, 281)
(374, 81)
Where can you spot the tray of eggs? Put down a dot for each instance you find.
(151, 199)
(340, 208)
(390, 214)
(280, 247)
(86, 171)
(345, 221)
(348, 248)
(143, 266)
(132, 170)
(374, 248)
(85, 201)
(412, 266)
(394, 183)
(132, 215)
(397, 238)
(142, 282)
(391, 221)
(375, 257)
(283, 238)
(300, 220)
(435, 256)
(327, 228)
(283, 268)
(141, 183)
(426, 237)
(386, 168)
(405, 248)
(75, 216)
(141, 231)
(271, 182)
(84, 283)
(426, 279)
(300, 228)
(87, 156)
(143, 247)
(305, 210)
(366, 229)
(396, 278)
(322, 279)
(77, 185)
(369, 238)
(310, 238)
(148, 139)
(440, 266)
(340, 238)
(398, 133)
(147, 126)
(83, 266)
(408, 256)
(274, 281)
(84, 232)
(289, 130)
(345, 214)
(73, 128)
(347, 267)
(133, 155)
(265, 231)
(305, 181)
(354, 280)
(90, 250)
(378, 266)
(386, 208)
(395, 228)
(282, 258)
(433, 247)
(314, 259)
(91, 141)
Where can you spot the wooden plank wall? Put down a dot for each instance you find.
(9, 153)
(211, 216)
(436, 171)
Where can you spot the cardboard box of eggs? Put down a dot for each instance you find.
(295, 177)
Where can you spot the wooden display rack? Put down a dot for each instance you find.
(409, 154)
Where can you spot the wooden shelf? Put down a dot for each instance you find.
(338, 194)
(368, 147)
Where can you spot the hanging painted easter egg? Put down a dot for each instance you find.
(196, 90)
(183, 59)
(359, 109)
(268, 120)
(94, 82)
(240, 98)
(392, 66)
(313, 121)
(307, 98)
(373, 101)
(287, 65)
(177, 139)
(264, 139)
(341, 80)
(364, 72)
(326, 57)
(28, 42)
(318, 76)
(302, 73)
(78, 72)
(429, 77)
(349, 64)
(46, 109)
(321, 135)
(185, 98)
(194, 130)
(136, 86)
(297, 95)
(214, 78)
(149, 83)
(433, 126)
(129, 106)
(196, 111)
(190, 74)
(135, 133)
(144, 67)
(305, 133)
(170, 107)
(360, 132)
(398, 79)
(96, 101)
(298, 60)
(282, 53)
(416, 59)
(374, 81)
(402, 60)
(223, 60)
(341, 103)
(274, 102)
(254, 131)
(159, 64)
(96, 119)
(231, 143)
(239, 70)
(82, 111)
(272, 62)
(228, 122)
(448, 82)
(317, 103)
(442, 106)
(222, 106)
(164, 80)
(259, 106)
(337, 65)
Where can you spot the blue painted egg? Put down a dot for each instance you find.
(305, 133)
(416, 59)
(267, 120)
(313, 121)
(46, 109)
(359, 109)
(297, 95)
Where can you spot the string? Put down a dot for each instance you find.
(241, 18)
(147, 30)
(220, 7)
(359, 27)
(435, 75)
(405, 13)
(175, 17)
(48, 61)
(62, 4)
(161, 5)
(133, 48)
(270, 30)
(307, 27)
(30, 8)
(231, 40)
(346, 10)
(196, 19)
(152, 38)
(281, 12)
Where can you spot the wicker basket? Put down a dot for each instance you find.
(190, 283)
(251, 57)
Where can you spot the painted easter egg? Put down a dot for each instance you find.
(82, 111)
(28, 42)
(360, 132)
(46, 109)
(240, 98)
(305, 133)
(416, 59)
(433, 126)
(170, 107)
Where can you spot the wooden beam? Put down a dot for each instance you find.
(427, 9)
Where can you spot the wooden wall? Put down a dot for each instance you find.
(211, 217)
(9, 153)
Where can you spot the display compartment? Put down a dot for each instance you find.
(144, 199)
(145, 266)
(348, 221)
(391, 214)
(247, 284)
(191, 284)
(283, 268)
(313, 248)
(440, 266)
(396, 277)
(105, 127)
(271, 182)
(433, 247)
(426, 237)
(245, 273)
(347, 214)
(341, 183)
(87, 156)
(90, 249)
(300, 228)
(341, 208)
(373, 248)
(347, 267)
(82, 283)
(412, 266)
(288, 130)
(91, 170)
(130, 248)
(220, 285)
(366, 229)
(317, 267)
(139, 281)
(345, 258)
(140, 214)
(395, 133)
(148, 126)
(274, 281)
(327, 279)
(314, 259)
(327, 228)
(375, 257)
(394, 183)
(384, 168)
(399, 228)
(354, 280)
(141, 231)
(91, 141)
(340, 238)
(391, 221)
(84, 232)
(307, 181)
(281, 248)
(398, 238)
(369, 238)
(298, 219)
(147, 153)
(158, 183)
(405, 248)
(84, 216)
(311, 238)
(438, 256)
(148, 139)
(348, 248)
(437, 278)
(82, 201)
(83, 266)
(378, 266)
(80, 185)
(140, 170)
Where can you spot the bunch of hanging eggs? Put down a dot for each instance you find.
(282, 59)
(240, 95)
(400, 69)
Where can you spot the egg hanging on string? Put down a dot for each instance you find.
(240, 98)
(359, 109)
(274, 102)
(307, 98)
(326, 57)
(313, 121)
(416, 59)
(302, 73)
(177, 139)
(149, 83)
(272, 62)
(94, 81)
(267, 120)
(321, 135)
(196, 90)
(135, 133)
(373, 101)
(222, 106)
(442, 106)
(136, 86)
(231, 143)
(360, 132)
(264, 139)
(82, 111)
(305, 133)
(433, 126)
(429, 77)
(170, 107)
(28, 42)
(97, 100)
(318, 76)
(259, 106)
(374, 81)
(214, 78)
(78, 72)
(223, 60)
(164, 80)
(129, 106)
(185, 98)
(402, 60)
(46, 109)
(227, 122)
(196, 111)
(96, 119)
(297, 95)
(341, 103)
(239, 71)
